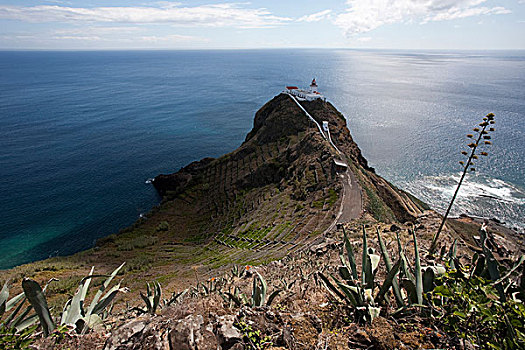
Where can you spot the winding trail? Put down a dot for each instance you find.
(352, 200)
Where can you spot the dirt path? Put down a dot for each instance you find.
(352, 200)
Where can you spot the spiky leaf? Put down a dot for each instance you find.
(389, 280)
(351, 257)
(331, 288)
(366, 268)
(101, 290)
(37, 299)
(4, 295)
(388, 263)
(428, 280)
(419, 276)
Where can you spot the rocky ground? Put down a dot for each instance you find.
(302, 316)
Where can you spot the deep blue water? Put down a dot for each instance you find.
(81, 132)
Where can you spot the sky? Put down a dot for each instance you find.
(256, 24)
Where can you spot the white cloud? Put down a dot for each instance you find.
(218, 15)
(173, 39)
(99, 30)
(456, 13)
(114, 35)
(364, 39)
(365, 15)
(315, 17)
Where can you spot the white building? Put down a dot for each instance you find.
(309, 94)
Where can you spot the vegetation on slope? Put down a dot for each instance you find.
(269, 203)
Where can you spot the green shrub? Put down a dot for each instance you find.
(137, 243)
(140, 263)
(10, 339)
(163, 226)
(468, 306)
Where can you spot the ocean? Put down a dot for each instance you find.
(82, 132)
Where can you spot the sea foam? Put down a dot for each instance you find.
(479, 195)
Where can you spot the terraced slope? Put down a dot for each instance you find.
(274, 193)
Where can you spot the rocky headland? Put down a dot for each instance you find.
(276, 206)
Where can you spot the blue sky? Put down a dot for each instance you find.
(136, 24)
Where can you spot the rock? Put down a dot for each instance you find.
(382, 334)
(191, 334)
(288, 337)
(322, 248)
(227, 333)
(139, 333)
(305, 331)
(394, 228)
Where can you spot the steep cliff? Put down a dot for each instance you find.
(283, 173)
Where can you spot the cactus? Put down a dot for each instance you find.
(485, 265)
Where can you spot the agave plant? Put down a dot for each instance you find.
(212, 285)
(175, 298)
(238, 272)
(152, 298)
(479, 137)
(74, 312)
(258, 297)
(15, 322)
(358, 292)
(36, 298)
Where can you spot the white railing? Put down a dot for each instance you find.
(309, 116)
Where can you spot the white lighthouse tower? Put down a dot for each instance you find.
(309, 94)
(313, 86)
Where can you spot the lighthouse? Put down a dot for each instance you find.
(313, 86)
(307, 94)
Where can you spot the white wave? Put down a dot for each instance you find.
(149, 181)
(478, 196)
(472, 187)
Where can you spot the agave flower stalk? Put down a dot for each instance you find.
(482, 138)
